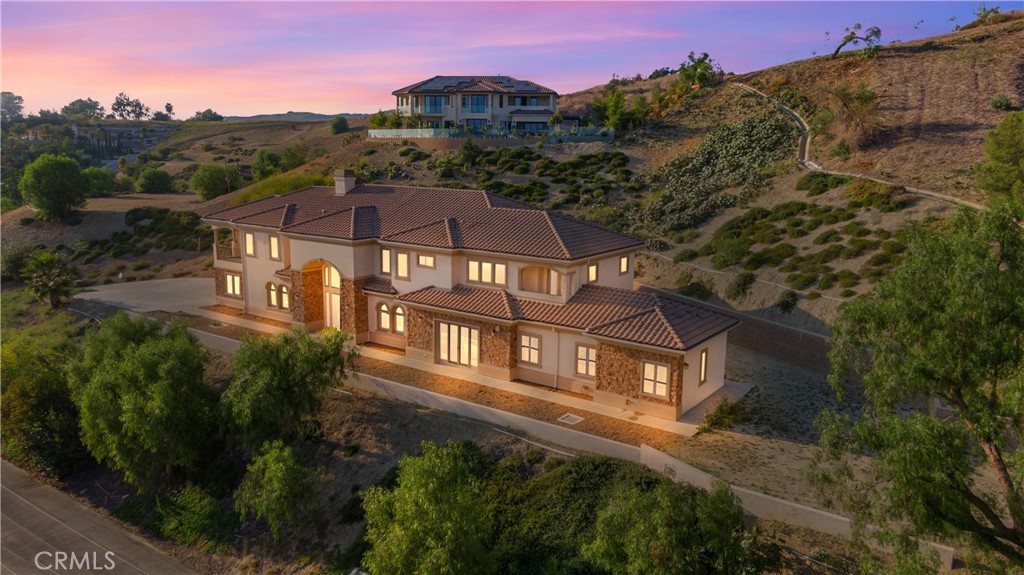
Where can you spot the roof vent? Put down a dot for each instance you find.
(344, 181)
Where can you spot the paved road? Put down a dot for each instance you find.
(37, 522)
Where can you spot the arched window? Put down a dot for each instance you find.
(271, 295)
(383, 317)
(285, 302)
(399, 320)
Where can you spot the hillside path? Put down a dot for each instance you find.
(804, 153)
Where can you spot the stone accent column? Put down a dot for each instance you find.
(312, 288)
(498, 345)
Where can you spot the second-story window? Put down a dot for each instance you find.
(275, 248)
(425, 261)
(487, 272)
(250, 244)
(385, 261)
(623, 265)
(591, 273)
(478, 103)
(539, 279)
(402, 265)
(433, 104)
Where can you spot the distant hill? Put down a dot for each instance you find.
(294, 117)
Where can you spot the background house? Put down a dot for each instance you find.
(479, 102)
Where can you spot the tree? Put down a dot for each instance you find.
(279, 383)
(436, 520)
(276, 488)
(102, 182)
(1002, 176)
(49, 276)
(169, 109)
(339, 125)
(11, 108)
(212, 180)
(946, 324)
(698, 70)
(208, 115)
(143, 402)
(125, 107)
(87, 109)
(160, 117)
(677, 529)
(154, 181)
(610, 109)
(54, 186)
(266, 164)
(39, 421)
(871, 37)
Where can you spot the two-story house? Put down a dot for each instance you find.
(498, 102)
(471, 279)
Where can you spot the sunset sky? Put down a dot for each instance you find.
(245, 58)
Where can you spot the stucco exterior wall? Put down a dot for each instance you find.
(693, 391)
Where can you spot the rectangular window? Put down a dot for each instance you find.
(591, 273)
(458, 344)
(623, 265)
(433, 104)
(385, 261)
(586, 360)
(285, 302)
(250, 244)
(275, 248)
(425, 261)
(703, 366)
(234, 284)
(487, 272)
(554, 283)
(529, 349)
(533, 100)
(272, 295)
(478, 103)
(656, 379)
(402, 265)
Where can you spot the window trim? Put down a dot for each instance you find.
(384, 317)
(623, 260)
(703, 373)
(586, 359)
(272, 295)
(385, 258)
(284, 298)
(596, 268)
(398, 312)
(644, 380)
(249, 244)
(526, 344)
(398, 266)
(275, 246)
(480, 272)
(421, 257)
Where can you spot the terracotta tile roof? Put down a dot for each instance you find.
(433, 217)
(379, 285)
(498, 84)
(646, 317)
(477, 301)
(285, 273)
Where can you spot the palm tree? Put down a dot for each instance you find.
(49, 276)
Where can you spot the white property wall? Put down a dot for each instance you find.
(693, 391)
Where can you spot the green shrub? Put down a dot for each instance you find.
(847, 293)
(813, 295)
(864, 193)
(817, 183)
(855, 230)
(880, 259)
(192, 516)
(339, 125)
(739, 287)
(685, 256)
(828, 236)
(841, 150)
(724, 415)
(698, 289)
(729, 252)
(787, 302)
(801, 280)
(773, 256)
(827, 280)
(1001, 102)
(847, 278)
(857, 247)
(14, 255)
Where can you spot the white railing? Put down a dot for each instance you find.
(555, 132)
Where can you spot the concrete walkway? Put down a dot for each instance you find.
(45, 531)
(189, 295)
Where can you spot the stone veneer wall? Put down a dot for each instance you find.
(619, 371)
(497, 342)
(309, 286)
(354, 315)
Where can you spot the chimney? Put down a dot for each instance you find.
(344, 181)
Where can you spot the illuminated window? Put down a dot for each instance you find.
(655, 379)
(624, 265)
(458, 344)
(275, 248)
(487, 272)
(592, 273)
(271, 295)
(703, 366)
(402, 266)
(285, 302)
(399, 320)
(425, 261)
(586, 360)
(234, 284)
(250, 244)
(383, 317)
(385, 261)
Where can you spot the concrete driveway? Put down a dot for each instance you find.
(170, 295)
(45, 531)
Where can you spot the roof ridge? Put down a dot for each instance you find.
(558, 235)
(508, 300)
(621, 319)
(417, 228)
(320, 217)
(257, 213)
(405, 296)
(668, 324)
(211, 214)
(449, 229)
(284, 216)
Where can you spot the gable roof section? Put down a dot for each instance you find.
(647, 317)
(430, 217)
(495, 84)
